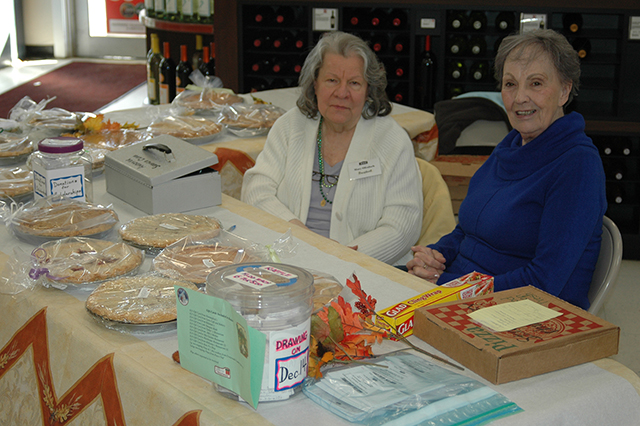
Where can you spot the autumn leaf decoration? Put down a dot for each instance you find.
(340, 334)
(93, 125)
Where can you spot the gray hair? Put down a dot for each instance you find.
(347, 45)
(562, 55)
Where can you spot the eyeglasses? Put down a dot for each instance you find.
(327, 179)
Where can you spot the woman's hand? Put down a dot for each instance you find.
(426, 263)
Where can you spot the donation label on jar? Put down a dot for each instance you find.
(68, 182)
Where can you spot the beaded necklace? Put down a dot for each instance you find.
(323, 179)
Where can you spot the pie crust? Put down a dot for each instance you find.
(16, 181)
(64, 219)
(86, 260)
(195, 262)
(161, 230)
(142, 299)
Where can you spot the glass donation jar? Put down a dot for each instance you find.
(61, 166)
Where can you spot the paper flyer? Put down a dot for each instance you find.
(216, 343)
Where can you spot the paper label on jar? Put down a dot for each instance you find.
(251, 280)
(287, 359)
(68, 182)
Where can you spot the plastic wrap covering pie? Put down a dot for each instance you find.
(54, 118)
(16, 183)
(326, 289)
(14, 147)
(142, 299)
(79, 261)
(160, 230)
(56, 217)
(207, 100)
(193, 259)
(186, 127)
(250, 120)
(113, 139)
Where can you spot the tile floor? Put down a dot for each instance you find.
(622, 307)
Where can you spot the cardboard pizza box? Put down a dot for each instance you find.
(573, 338)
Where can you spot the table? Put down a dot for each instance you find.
(54, 358)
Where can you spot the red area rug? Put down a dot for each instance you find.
(78, 86)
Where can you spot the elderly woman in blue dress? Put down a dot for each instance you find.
(533, 212)
(337, 163)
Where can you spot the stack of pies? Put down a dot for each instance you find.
(185, 127)
(86, 260)
(195, 262)
(142, 299)
(161, 230)
(208, 99)
(59, 217)
(16, 183)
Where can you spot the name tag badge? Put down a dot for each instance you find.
(364, 168)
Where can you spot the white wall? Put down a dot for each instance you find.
(38, 22)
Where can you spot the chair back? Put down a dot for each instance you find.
(607, 267)
(437, 215)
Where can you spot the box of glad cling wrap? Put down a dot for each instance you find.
(400, 315)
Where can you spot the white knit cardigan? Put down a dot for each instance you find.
(380, 214)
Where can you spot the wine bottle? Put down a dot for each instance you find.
(204, 66)
(572, 22)
(399, 93)
(332, 20)
(285, 16)
(398, 19)
(506, 22)
(379, 43)
(196, 59)
(582, 45)
(262, 41)
(263, 16)
(399, 68)
(456, 70)
(477, 46)
(479, 70)
(260, 66)
(617, 170)
(183, 70)
(455, 91)
(457, 45)
(153, 73)
(280, 66)
(378, 19)
(299, 41)
(256, 85)
(457, 20)
(615, 193)
(426, 74)
(205, 11)
(281, 41)
(626, 146)
(478, 20)
(187, 11)
(171, 12)
(356, 19)
(211, 65)
(150, 52)
(400, 44)
(167, 84)
(149, 8)
(158, 8)
(296, 67)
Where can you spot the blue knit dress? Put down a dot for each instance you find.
(533, 214)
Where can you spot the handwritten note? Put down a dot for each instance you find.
(508, 316)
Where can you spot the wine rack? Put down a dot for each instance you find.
(609, 98)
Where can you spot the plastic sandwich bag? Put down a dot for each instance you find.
(403, 389)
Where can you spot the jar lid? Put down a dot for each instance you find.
(265, 286)
(60, 145)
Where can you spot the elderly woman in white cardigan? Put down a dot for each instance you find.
(338, 164)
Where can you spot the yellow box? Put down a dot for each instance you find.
(400, 315)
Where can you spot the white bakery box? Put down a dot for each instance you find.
(164, 175)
